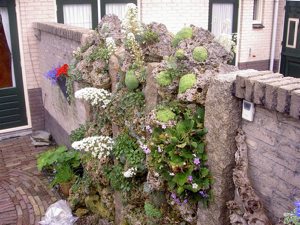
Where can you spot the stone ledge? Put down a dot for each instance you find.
(62, 30)
(270, 90)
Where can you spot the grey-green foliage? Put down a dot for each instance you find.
(151, 211)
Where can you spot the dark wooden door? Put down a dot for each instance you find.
(12, 103)
(290, 56)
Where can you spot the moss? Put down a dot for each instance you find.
(186, 82)
(200, 54)
(131, 81)
(94, 204)
(165, 115)
(150, 37)
(180, 54)
(164, 78)
(184, 33)
(151, 211)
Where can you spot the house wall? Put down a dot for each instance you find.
(175, 14)
(56, 43)
(255, 43)
(29, 11)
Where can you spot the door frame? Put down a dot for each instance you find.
(17, 52)
(94, 5)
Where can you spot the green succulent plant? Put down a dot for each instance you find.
(186, 82)
(200, 54)
(180, 54)
(164, 115)
(131, 80)
(184, 33)
(164, 78)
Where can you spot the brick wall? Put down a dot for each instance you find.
(175, 13)
(56, 45)
(273, 138)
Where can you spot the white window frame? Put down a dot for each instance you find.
(259, 13)
(294, 45)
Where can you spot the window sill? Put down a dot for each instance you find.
(257, 26)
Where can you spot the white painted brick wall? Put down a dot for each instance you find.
(256, 43)
(29, 11)
(176, 13)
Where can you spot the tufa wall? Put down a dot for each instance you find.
(57, 43)
(273, 138)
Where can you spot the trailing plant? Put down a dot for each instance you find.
(293, 218)
(62, 162)
(78, 134)
(151, 211)
(178, 155)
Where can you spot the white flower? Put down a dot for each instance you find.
(99, 146)
(194, 186)
(111, 45)
(172, 174)
(94, 96)
(131, 22)
(130, 172)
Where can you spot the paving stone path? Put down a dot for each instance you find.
(24, 192)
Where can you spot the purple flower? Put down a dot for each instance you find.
(197, 161)
(148, 128)
(185, 201)
(203, 194)
(51, 75)
(297, 204)
(145, 149)
(190, 179)
(163, 126)
(173, 195)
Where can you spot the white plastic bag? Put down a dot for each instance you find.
(58, 213)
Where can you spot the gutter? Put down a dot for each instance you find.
(274, 33)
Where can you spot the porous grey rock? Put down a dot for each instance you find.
(154, 52)
(111, 26)
(222, 119)
(150, 90)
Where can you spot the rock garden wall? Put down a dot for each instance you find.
(148, 91)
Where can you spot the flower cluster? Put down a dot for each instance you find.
(99, 146)
(57, 73)
(111, 45)
(130, 172)
(226, 40)
(131, 23)
(135, 49)
(94, 96)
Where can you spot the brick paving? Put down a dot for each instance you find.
(24, 192)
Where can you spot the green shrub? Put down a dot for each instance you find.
(164, 78)
(200, 54)
(78, 134)
(131, 80)
(184, 33)
(180, 54)
(151, 211)
(164, 115)
(150, 37)
(186, 82)
(61, 161)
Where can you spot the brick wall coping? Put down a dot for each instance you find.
(63, 30)
(270, 90)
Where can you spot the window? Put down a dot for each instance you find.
(257, 11)
(116, 7)
(292, 33)
(80, 13)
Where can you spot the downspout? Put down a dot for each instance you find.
(274, 33)
(239, 39)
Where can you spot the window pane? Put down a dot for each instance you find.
(256, 10)
(79, 15)
(118, 9)
(222, 16)
(291, 35)
(6, 63)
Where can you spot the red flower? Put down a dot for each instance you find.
(62, 71)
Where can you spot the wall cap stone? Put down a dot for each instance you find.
(270, 90)
(62, 30)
